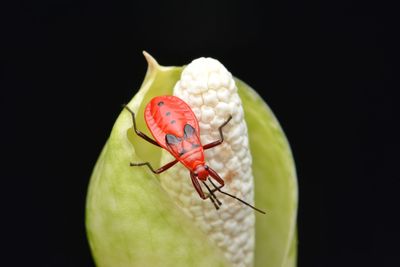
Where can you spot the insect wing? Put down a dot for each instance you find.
(181, 145)
(191, 137)
(169, 115)
(174, 145)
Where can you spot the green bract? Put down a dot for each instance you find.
(131, 221)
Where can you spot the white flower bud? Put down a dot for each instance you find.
(209, 88)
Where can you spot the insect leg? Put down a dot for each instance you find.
(213, 201)
(197, 186)
(139, 133)
(215, 189)
(221, 135)
(215, 176)
(232, 196)
(212, 195)
(159, 170)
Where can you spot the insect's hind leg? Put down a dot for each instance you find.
(159, 170)
(139, 133)
(221, 135)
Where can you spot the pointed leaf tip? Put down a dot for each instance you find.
(152, 63)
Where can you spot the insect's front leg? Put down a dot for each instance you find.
(216, 177)
(221, 136)
(139, 133)
(217, 188)
(212, 196)
(159, 170)
(197, 186)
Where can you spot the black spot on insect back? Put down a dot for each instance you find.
(168, 113)
(160, 103)
(173, 121)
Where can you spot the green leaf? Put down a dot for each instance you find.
(275, 182)
(131, 220)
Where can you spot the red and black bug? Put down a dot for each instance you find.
(175, 128)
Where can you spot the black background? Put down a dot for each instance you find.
(327, 69)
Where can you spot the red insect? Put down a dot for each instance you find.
(175, 128)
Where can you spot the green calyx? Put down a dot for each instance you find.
(131, 221)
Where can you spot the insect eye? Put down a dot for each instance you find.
(195, 173)
(206, 167)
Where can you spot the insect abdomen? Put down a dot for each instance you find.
(168, 115)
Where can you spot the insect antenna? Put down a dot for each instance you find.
(232, 196)
(212, 197)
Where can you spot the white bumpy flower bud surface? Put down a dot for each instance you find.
(210, 90)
